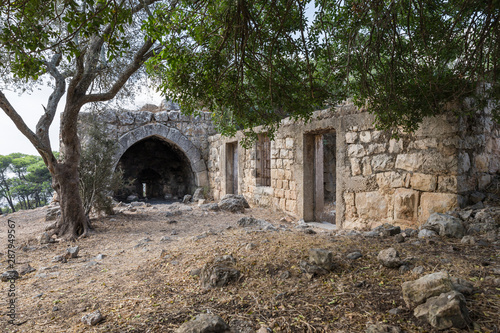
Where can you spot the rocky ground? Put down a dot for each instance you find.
(155, 268)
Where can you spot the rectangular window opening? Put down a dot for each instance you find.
(263, 165)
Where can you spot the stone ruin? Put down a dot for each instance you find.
(337, 167)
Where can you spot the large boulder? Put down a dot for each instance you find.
(389, 258)
(204, 323)
(445, 225)
(418, 291)
(238, 197)
(444, 311)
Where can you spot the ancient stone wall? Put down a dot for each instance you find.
(377, 178)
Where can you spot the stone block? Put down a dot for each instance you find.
(481, 162)
(291, 206)
(395, 146)
(143, 117)
(405, 204)
(382, 163)
(365, 136)
(376, 148)
(289, 143)
(447, 184)
(174, 115)
(409, 162)
(423, 144)
(437, 126)
(351, 137)
(355, 167)
(371, 205)
(391, 179)
(126, 118)
(367, 167)
(356, 151)
(423, 182)
(463, 162)
(436, 203)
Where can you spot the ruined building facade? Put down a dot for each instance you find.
(337, 166)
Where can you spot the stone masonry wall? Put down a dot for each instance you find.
(378, 178)
(195, 128)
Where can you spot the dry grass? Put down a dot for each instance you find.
(138, 290)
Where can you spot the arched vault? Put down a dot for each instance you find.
(173, 136)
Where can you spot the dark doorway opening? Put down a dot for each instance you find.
(320, 177)
(232, 168)
(154, 168)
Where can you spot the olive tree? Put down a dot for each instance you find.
(85, 49)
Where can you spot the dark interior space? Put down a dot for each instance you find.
(155, 169)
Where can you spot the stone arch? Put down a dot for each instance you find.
(173, 136)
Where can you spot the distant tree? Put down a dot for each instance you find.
(5, 184)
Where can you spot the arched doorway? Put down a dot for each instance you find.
(154, 168)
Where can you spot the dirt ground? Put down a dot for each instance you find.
(145, 285)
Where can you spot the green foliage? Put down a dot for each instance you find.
(410, 59)
(25, 181)
(249, 63)
(97, 177)
(253, 63)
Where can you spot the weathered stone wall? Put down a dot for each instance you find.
(378, 178)
(196, 128)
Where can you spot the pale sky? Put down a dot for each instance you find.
(29, 106)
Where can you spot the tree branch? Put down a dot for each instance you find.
(139, 58)
(42, 128)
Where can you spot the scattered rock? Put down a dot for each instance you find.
(255, 223)
(382, 328)
(409, 232)
(93, 318)
(204, 323)
(210, 206)
(399, 238)
(187, 198)
(26, 270)
(426, 233)
(100, 256)
(285, 275)
(389, 258)
(232, 205)
(137, 204)
(404, 269)
(468, 240)
(72, 252)
(241, 326)
(476, 197)
(461, 285)
(174, 232)
(444, 311)
(418, 270)
(322, 258)
(386, 230)
(45, 239)
(195, 272)
(142, 242)
(416, 292)
(219, 273)
(312, 270)
(165, 239)
(173, 213)
(354, 255)
(10, 275)
(445, 225)
(59, 259)
(396, 311)
(309, 231)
